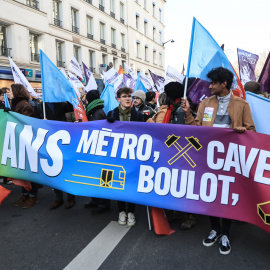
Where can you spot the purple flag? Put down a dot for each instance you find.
(87, 72)
(264, 79)
(159, 81)
(199, 91)
(247, 62)
(129, 81)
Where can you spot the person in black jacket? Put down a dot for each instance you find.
(124, 112)
(94, 111)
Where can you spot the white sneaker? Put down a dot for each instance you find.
(122, 220)
(131, 219)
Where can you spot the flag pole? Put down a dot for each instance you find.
(44, 111)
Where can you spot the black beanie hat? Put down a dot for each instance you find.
(174, 90)
(92, 95)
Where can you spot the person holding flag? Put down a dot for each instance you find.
(224, 110)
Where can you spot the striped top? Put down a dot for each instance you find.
(223, 119)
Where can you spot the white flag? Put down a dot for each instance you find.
(75, 67)
(130, 72)
(76, 84)
(112, 77)
(92, 84)
(173, 75)
(147, 82)
(20, 78)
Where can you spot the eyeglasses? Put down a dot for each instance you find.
(125, 96)
(135, 98)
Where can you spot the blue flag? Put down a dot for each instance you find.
(55, 86)
(139, 85)
(205, 54)
(6, 101)
(108, 96)
(259, 107)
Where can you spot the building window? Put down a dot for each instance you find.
(160, 59)
(145, 27)
(4, 51)
(56, 13)
(123, 47)
(160, 15)
(138, 45)
(33, 38)
(76, 53)
(91, 59)
(154, 9)
(89, 1)
(74, 20)
(32, 3)
(115, 63)
(154, 33)
(145, 4)
(104, 59)
(122, 13)
(137, 21)
(154, 57)
(160, 37)
(113, 38)
(113, 8)
(146, 53)
(101, 5)
(59, 54)
(90, 27)
(102, 33)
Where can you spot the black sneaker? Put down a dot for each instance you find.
(225, 247)
(211, 239)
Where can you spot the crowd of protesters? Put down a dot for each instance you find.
(229, 111)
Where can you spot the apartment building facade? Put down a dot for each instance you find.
(100, 33)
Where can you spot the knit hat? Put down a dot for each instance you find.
(174, 90)
(140, 94)
(92, 95)
(252, 86)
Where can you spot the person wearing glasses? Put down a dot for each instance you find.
(139, 103)
(125, 112)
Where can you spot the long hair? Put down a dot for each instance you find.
(19, 91)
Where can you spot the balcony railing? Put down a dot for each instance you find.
(122, 20)
(60, 63)
(34, 57)
(123, 49)
(90, 36)
(32, 3)
(101, 7)
(88, 1)
(113, 45)
(93, 70)
(75, 29)
(4, 51)
(57, 22)
(113, 14)
(102, 41)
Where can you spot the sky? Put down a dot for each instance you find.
(243, 24)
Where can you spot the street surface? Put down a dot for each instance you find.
(39, 238)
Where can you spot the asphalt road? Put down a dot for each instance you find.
(39, 238)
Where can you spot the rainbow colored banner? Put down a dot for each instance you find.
(203, 170)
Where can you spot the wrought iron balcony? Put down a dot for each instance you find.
(122, 20)
(123, 49)
(32, 3)
(57, 22)
(102, 41)
(101, 8)
(90, 36)
(60, 63)
(34, 57)
(113, 14)
(75, 29)
(4, 51)
(113, 45)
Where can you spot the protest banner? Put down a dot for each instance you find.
(203, 170)
(264, 79)
(130, 72)
(91, 83)
(129, 81)
(159, 81)
(247, 62)
(147, 82)
(173, 75)
(75, 67)
(112, 77)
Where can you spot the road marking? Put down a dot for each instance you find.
(96, 252)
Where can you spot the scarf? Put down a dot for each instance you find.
(167, 117)
(124, 113)
(94, 104)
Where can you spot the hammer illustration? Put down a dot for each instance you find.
(193, 142)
